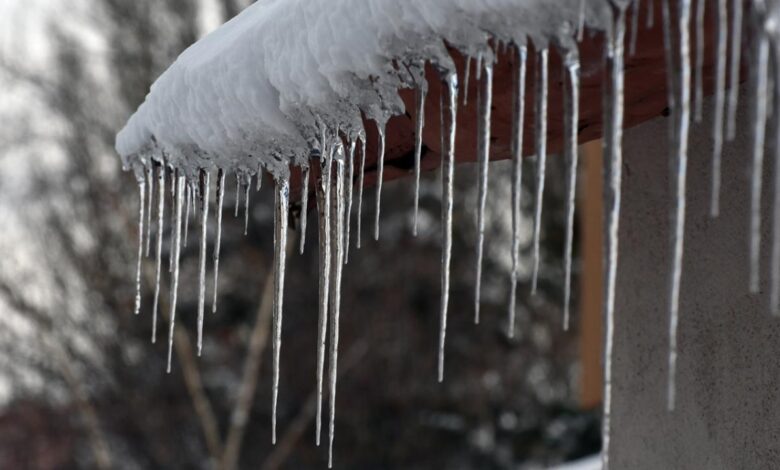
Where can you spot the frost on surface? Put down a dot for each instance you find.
(289, 83)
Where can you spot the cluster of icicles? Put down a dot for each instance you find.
(338, 153)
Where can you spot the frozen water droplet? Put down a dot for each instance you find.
(188, 195)
(205, 184)
(485, 103)
(735, 59)
(760, 71)
(337, 265)
(518, 126)
(160, 227)
(679, 175)
(349, 183)
(540, 91)
(246, 204)
(466, 75)
(720, 92)
(380, 177)
(361, 177)
(282, 204)
(419, 101)
(571, 121)
(218, 241)
(150, 201)
(141, 208)
(304, 205)
(699, 70)
(180, 182)
(324, 231)
(450, 97)
(613, 156)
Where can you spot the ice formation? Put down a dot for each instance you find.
(289, 83)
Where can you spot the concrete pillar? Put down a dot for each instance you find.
(728, 378)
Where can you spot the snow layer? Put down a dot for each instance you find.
(258, 89)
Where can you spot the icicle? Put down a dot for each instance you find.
(518, 126)
(349, 183)
(160, 227)
(466, 74)
(246, 204)
(218, 241)
(259, 184)
(720, 91)
(180, 182)
(571, 103)
(650, 15)
(337, 265)
(304, 204)
(238, 196)
(757, 170)
(699, 70)
(448, 129)
(483, 155)
(141, 208)
(540, 90)
(679, 179)
(380, 176)
(581, 21)
(281, 205)
(323, 213)
(774, 270)
(174, 198)
(205, 183)
(150, 201)
(634, 27)
(188, 196)
(613, 162)
(419, 123)
(735, 59)
(361, 177)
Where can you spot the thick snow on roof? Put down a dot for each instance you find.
(258, 89)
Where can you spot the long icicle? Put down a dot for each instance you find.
(774, 267)
(246, 203)
(337, 265)
(323, 226)
(634, 27)
(650, 23)
(238, 196)
(699, 70)
(150, 202)
(571, 105)
(304, 205)
(141, 209)
(448, 129)
(734, 63)
(218, 241)
(180, 182)
(518, 126)
(380, 177)
(361, 178)
(540, 91)
(349, 183)
(757, 167)
(281, 208)
(720, 92)
(613, 169)
(581, 21)
(419, 117)
(205, 183)
(679, 179)
(160, 227)
(188, 201)
(174, 198)
(485, 103)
